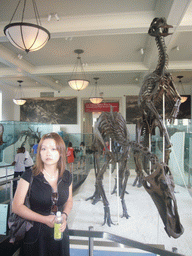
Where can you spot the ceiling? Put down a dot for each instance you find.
(110, 32)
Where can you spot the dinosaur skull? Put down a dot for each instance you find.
(160, 186)
(159, 27)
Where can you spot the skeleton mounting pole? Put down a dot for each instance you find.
(118, 193)
(150, 138)
(164, 126)
(110, 149)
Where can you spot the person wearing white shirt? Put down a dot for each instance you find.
(28, 160)
(19, 166)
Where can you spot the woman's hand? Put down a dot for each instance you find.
(64, 224)
(49, 220)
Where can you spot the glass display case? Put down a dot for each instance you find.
(15, 134)
(144, 225)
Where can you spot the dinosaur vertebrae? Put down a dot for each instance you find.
(163, 57)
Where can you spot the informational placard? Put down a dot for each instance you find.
(3, 219)
(102, 107)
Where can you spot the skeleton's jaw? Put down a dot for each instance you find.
(173, 227)
(161, 189)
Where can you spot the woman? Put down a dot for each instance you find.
(51, 191)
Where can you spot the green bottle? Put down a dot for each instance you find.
(58, 235)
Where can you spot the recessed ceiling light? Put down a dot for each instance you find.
(49, 17)
(20, 56)
(142, 51)
(56, 17)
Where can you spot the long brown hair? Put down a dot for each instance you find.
(60, 146)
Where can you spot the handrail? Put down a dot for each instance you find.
(4, 166)
(6, 176)
(8, 181)
(122, 240)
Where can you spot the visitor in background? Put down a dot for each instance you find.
(82, 155)
(51, 189)
(34, 150)
(70, 156)
(19, 166)
(108, 147)
(28, 160)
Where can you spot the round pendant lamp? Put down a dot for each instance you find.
(78, 79)
(28, 37)
(96, 99)
(18, 100)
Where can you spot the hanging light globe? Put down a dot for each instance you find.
(78, 79)
(26, 36)
(18, 100)
(96, 99)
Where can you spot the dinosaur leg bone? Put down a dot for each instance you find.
(99, 183)
(124, 207)
(159, 118)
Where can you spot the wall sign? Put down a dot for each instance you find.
(102, 107)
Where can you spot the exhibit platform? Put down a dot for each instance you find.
(144, 224)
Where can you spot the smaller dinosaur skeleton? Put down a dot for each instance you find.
(159, 184)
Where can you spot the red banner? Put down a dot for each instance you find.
(102, 107)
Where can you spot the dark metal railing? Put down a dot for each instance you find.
(118, 239)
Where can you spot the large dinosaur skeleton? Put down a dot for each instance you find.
(159, 184)
(157, 87)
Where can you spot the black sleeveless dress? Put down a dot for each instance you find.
(39, 240)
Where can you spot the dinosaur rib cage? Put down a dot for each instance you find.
(112, 125)
(165, 86)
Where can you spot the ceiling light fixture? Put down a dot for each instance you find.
(181, 91)
(96, 99)
(28, 37)
(49, 17)
(20, 56)
(56, 17)
(18, 100)
(78, 80)
(142, 51)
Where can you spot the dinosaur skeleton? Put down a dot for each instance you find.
(157, 86)
(159, 184)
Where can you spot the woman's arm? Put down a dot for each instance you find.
(20, 209)
(67, 208)
(69, 204)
